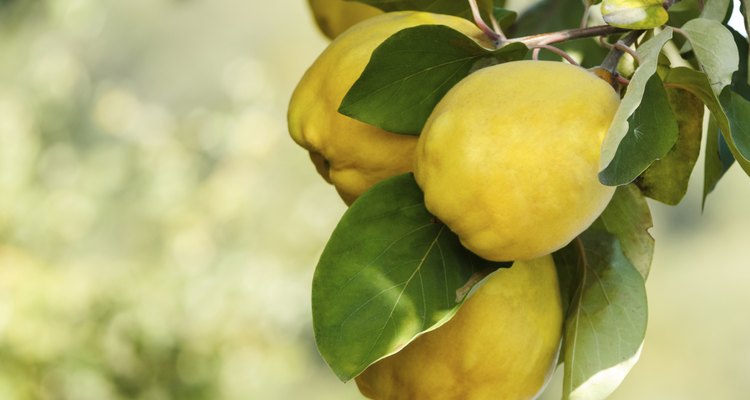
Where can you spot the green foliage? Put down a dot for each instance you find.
(389, 272)
(667, 179)
(649, 54)
(411, 71)
(606, 323)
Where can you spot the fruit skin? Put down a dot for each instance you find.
(350, 154)
(335, 16)
(502, 344)
(509, 158)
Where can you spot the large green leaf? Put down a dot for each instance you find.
(450, 7)
(618, 130)
(652, 132)
(716, 10)
(666, 180)
(606, 323)
(389, 272)
(412, 70)
(628, 218)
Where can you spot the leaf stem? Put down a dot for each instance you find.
(569, 34)
(555, 50)
(496, 37)
(613, 58)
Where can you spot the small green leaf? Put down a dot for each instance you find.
(606, 324)
(628, 218)
(652, 132)
(715, 49)
(634, 14)
(412, 70)
(649, 54)
(389, 272)
(666, 180)
(718, 158)
(450, 7)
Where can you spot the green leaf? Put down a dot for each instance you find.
(737, 110)
(652, 132)
(389, 272)
(606, 325)
(718, 158)
(715, 49)
(717, 10)
(450, 7)
(412, 70)
(634, 14)
(628, 218)
(666, 180)
(697, 83)
(649, 54)
(548, 16)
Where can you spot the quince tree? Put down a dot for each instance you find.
(497, 164)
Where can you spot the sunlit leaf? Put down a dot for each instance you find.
(715, 49)
(606, 323)
(666, 180)
(389, 272)
(412, 70)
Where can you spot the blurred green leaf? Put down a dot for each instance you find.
(389, 272)
(606, 324)
(634, 14)
(504, 17)
(652, 132)
(628, 218)
(411, 71)
(666, 180)
(649, 54)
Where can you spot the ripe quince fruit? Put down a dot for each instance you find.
(348, 153)
(509, 158)
(335, 16)
(502, 344)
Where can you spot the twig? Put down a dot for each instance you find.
(570, 34)
(559, 52)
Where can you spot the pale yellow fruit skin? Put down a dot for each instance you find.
(501, 344)
(350, 154)
(509, 158)
(335, 16)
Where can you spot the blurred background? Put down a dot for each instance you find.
(159, 230)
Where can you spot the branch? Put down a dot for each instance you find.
(569, 34)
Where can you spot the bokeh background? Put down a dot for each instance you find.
(159, 230)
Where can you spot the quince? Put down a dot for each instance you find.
(502, 344)
(509, 158)
(335, 16)
(348, 153)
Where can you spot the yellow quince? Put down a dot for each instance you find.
(335, 16)
(509, 158)
(350, 154)
(502, 344)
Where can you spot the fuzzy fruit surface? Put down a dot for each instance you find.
(350, 154)
(501, 344)
(509, 158)
(335, 16)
